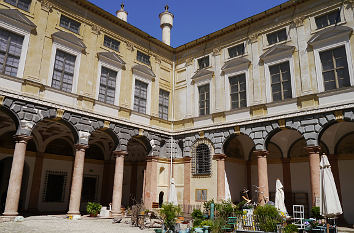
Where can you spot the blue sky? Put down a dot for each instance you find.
(193, 18)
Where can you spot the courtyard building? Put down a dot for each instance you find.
(93, 109)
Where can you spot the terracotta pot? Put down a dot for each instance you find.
(93, 215)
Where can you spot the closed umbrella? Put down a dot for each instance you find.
(280, 197)
(172, 195)
(227, 189)
(329, 200)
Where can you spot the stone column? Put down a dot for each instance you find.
(14, 188)
(36, 183)
(187, 183)
(76, 184)
(314, 159)
(287, 180)
(118, 182)
(150, 181)
(263, 192)
(220, 160)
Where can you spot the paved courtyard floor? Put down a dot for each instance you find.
(58, 224)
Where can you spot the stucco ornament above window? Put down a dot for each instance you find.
(16, 18)
(334, 31)
(111, 58)
(144, 70)
(236, 63)
(202, 73)
(277, 51)
(69, 40)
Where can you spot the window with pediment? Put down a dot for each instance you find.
(328, 19)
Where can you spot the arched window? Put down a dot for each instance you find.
(201, 164)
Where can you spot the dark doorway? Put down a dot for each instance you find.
(161, 199)
(89, 189)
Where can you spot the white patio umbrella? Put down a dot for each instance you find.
(172, 195)
(329, 201)
(280, 197)
(227, 189)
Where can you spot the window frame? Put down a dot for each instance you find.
(203, 57)
(164, 106)
(16, 5)
(118, 81)
(283, 98)
(230, 93)
(313, 25)
(276, 32)
(318, 63)
(71, 51)
(196, 195)
(209, 107)
(71, 20)
(228, 88)
(25, 44)
(233, 46)
(143, 54)
(266, 45)
(111, 38)
(45, 183)
(269, 94)
(326, 15)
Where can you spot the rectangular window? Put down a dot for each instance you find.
(237, 50)
(63, 73)
(238, 91)
(22, 4)
(88, 192)
(140, 96)
(55, 183)
(10, 52)
(163, 104)
(203, 62)
(204, 100)
(280, 81)
(111, 43)
(335, 68)
(330, 18)
(69, 24)
(277, 36)
(107, 85)
(142, 57)
(201, 195)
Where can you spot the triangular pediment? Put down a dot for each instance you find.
(69, 38)
(14, 16)
(144, 69)
(113, 57)
(236, 62)
(277, 50)
(330, 32)
(202, 73)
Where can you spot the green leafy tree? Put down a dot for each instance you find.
(267, 217)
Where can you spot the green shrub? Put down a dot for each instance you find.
(315, 212)
(169, 213)
(219, 223)
(267, 217)
(225, 209)
(198, 217)
(93, 208)
(209, 223)
(291, 228)
(206, 205)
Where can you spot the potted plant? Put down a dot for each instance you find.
(291, 228)
(93, 208)
(169, 213)
(267, 218)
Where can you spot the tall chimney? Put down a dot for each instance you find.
(122, 14)
(166, 23)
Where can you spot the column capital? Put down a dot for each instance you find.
(313, 149)
(219, 156)
(120, 153)
(187, 159)
(261, 153)
(22, 138)
(151, 158)
(81, 147)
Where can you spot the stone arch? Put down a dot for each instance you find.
(237, 147)
(12, 114)
(297, 148)
(273, 147)
(60, 146)
(102, 142)
(347, 140)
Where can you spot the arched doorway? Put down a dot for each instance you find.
(134, 170)
(238, 172)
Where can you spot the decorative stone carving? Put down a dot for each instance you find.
(216, 52)
(252, 38)
(189, 61)
(130, 46)
(60, 113)
(2, 100)
(46, 6)
(299, 21)
(96, 29)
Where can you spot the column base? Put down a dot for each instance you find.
(10, 214)
(116, 214)
(73, 215)
(7, 218)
